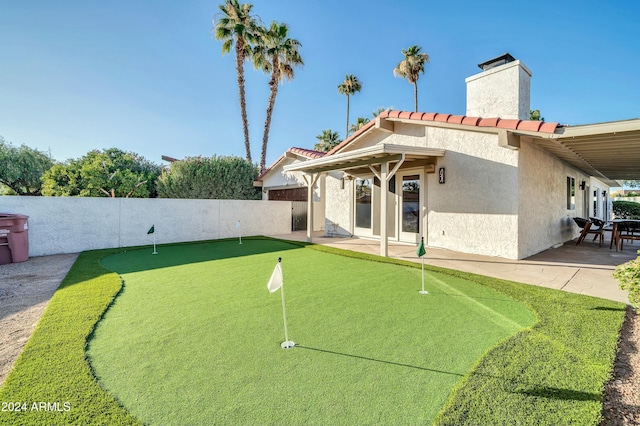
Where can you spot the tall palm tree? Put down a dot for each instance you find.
(276, 54)
(349, 86)
(327, 140)
(360, 121)
(236, 26)
(411, 67)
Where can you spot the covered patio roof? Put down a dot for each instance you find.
(609, 151)
(360, 159)
(363, 160)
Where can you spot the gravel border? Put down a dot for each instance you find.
(25, 291)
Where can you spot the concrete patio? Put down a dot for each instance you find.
(584, 269)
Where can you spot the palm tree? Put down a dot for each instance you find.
(327, 140)
(360, 121)
(534, 115)
(236, 25)
(349, 86)
(276, 54)
(380, 110)
(411, 68)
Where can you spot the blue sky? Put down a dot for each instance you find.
(148, 76)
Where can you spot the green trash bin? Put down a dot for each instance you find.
(14, 238)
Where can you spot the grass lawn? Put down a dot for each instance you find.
(193, 334)
(194, 337)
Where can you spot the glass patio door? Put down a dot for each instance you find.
(410, 211)
(363, 206)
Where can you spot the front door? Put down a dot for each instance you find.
(409, 206)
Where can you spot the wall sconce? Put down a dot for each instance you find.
(583, 185)
(604, 193)
(342, 183)
(441, 175)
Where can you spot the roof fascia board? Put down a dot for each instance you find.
(598, 129)
(381, 150)
(354, 164)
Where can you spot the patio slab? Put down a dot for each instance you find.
(584, 269)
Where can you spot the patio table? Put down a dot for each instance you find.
(614, 230)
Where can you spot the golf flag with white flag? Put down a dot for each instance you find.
(276, 278)
(277, 282)
(420, 253)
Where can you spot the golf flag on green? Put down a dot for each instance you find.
(276, 282)
(152, 230)
(276, 278)
(420, 253)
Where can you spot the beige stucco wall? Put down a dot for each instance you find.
(404, 134)
(338, 204)
(503, 91)
(543, 218)
(475, 210)
(281, 179)
(74, 224)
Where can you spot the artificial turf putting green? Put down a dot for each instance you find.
(193, 338)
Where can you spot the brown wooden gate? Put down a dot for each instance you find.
(298, 198)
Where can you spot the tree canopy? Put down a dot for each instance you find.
(411, 67)
(22, 167)
(276, 54)
(360, 122)
(110, 173)
(348, 87)
(327, 140)
(236, 26)
(534, 115)
(220, 178)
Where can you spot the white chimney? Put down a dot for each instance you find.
(501, 90)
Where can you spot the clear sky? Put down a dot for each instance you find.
(147, 76)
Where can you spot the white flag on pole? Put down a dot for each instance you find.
(276, 279)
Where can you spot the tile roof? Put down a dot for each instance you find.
(303, 152)
(509, 124)
(310, 153)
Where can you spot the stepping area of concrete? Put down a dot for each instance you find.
(585, 268)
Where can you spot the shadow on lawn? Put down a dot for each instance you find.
(603, 308)
(379, 360)
(559, 393)
(141, 259)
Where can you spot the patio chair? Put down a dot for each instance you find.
(586, 225)
(627, 231)
(599, 224)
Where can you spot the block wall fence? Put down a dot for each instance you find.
(74, 224)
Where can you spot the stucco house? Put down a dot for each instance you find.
(490, 182)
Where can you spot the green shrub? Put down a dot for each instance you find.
(628, 275)
(217, 178)
(626, 210)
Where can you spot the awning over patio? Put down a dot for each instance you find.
(383, 160)
(608, 151)
(360, 159)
